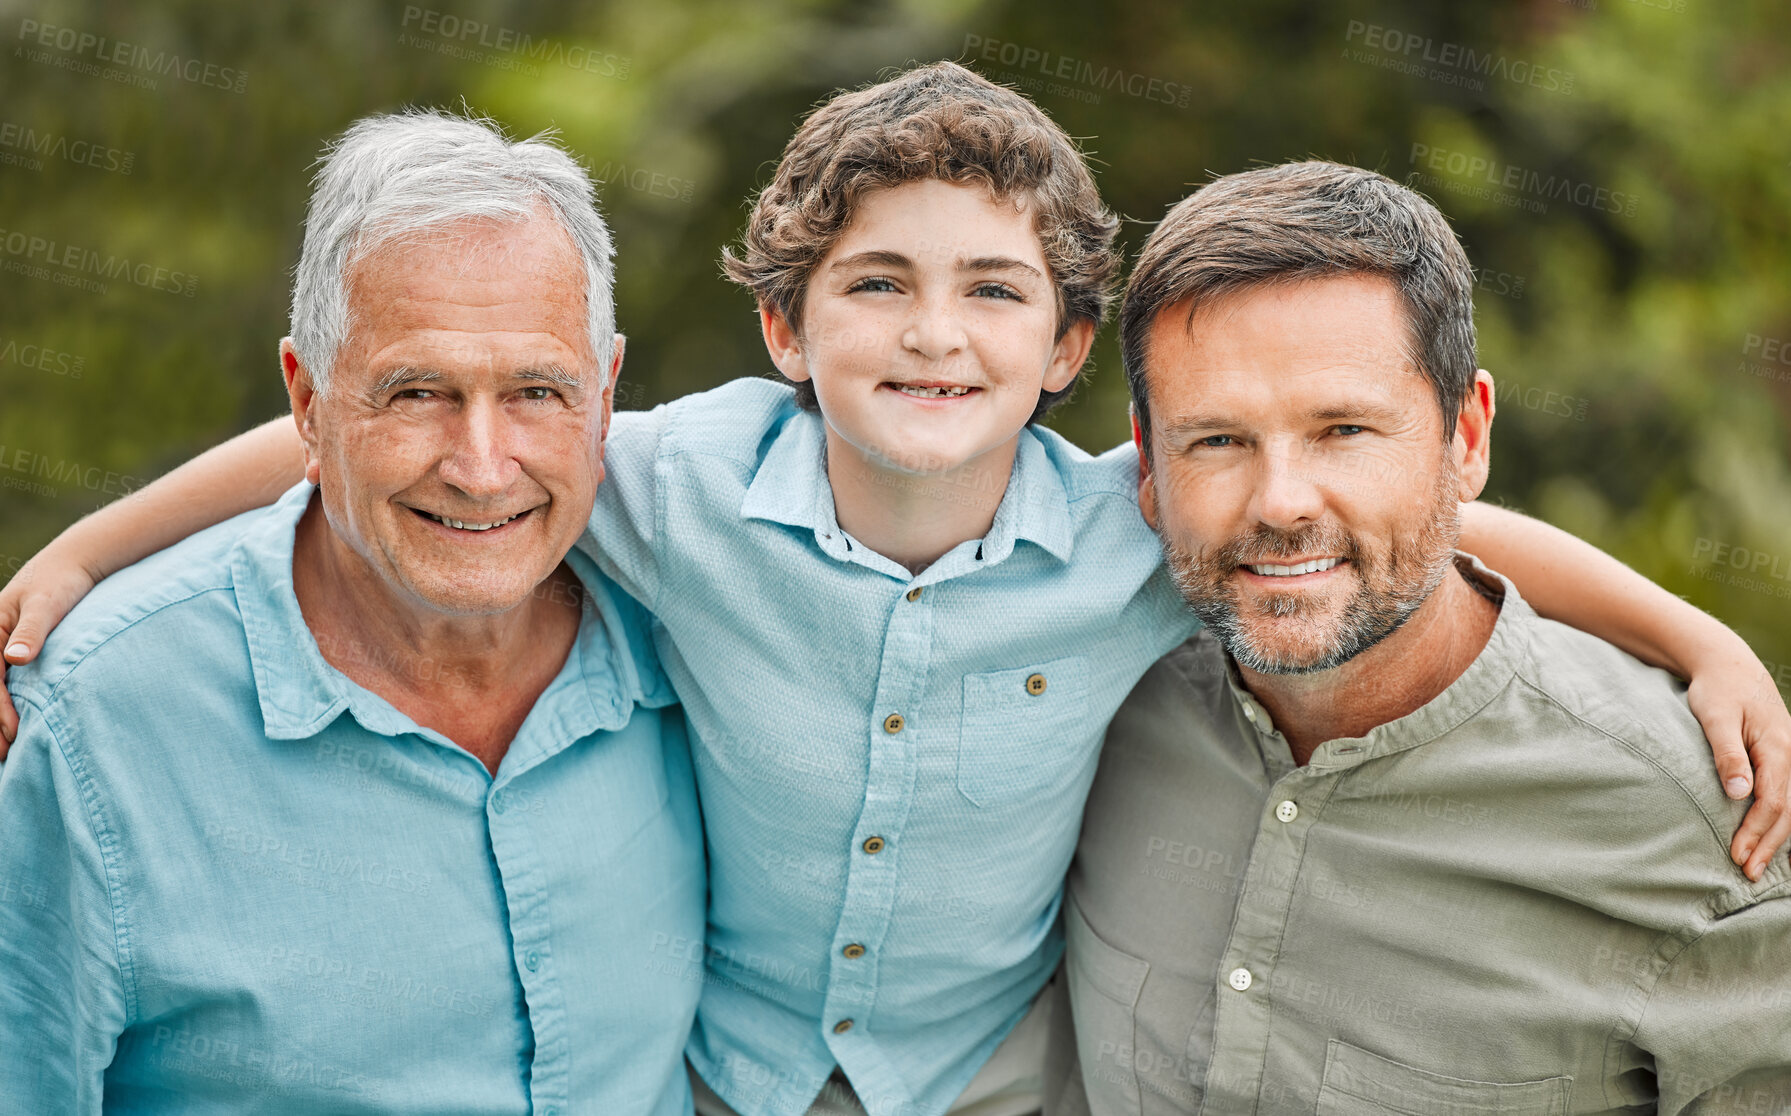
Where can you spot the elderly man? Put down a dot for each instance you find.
(369, 801)
(1380, 840)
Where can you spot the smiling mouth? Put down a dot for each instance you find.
(464, 525)
(932, 391)
(1316, 565)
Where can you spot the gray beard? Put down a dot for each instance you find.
(1384, 600)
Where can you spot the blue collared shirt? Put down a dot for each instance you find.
(232, 880)
(892, 767)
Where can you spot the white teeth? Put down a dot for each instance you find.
(932, 392)
(1313, 566)
(464, 526)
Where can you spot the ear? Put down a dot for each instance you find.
(1472, 446)
(783, 343)
(1069, 355)
(1147, 483)
(609, 390)
(302, 392)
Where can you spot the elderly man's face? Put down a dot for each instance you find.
(1299, 478)
(459, 448)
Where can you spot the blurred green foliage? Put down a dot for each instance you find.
(1619, 170)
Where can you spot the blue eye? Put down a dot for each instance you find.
(413, 393)
(999, 290)
(1215, 440)
(1347, 429)
(874, 283)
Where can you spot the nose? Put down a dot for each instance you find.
(478, 458)
(1287, 492)
(933, 330)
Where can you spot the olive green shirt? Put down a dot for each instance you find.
(1518, 898)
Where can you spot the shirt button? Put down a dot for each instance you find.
(893, 723)
(873, 845)
(1240, 979)
(842, 1026)
(1287, 811)
(1035, 685)
(914, 593)
(531, 960)
(1250, 712)
(854, 951)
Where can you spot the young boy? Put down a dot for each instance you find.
(899, 614)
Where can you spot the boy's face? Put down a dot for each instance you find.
(930, 328)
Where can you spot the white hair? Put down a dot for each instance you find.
(396, 175)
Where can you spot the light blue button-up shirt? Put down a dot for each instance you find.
(884, 891)
(233, 881)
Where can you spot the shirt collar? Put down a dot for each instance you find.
(790, 487)
(301, 693)
(1489, 673)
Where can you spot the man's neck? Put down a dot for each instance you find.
(471, 678)
(912, 518)
(1389, 680)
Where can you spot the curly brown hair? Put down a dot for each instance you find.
(939, 121)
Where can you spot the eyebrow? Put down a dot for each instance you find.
(1343, 413)
(406, 374)
(882, 257)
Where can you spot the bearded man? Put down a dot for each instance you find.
(1380, 839)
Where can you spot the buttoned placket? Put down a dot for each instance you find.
(876, 842)
(1294, 802)
(530, 922)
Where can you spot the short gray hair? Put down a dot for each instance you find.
(396, 175)
(1306, 221)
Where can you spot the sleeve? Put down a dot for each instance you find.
(1718, 1023)
(624, 533)
(62, 999)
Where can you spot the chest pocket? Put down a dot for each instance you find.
(1024, 731)
(1358, 1083)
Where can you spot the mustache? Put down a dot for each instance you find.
(1271, 545)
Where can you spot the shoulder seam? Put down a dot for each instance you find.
(107, 843)
(1709, 823)
(69, 670)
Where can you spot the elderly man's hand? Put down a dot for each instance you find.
(33, 602)
(1749, 728)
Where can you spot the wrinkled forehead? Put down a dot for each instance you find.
(1298, 345)
(486, 290)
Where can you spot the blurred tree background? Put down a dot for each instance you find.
(1619, 170)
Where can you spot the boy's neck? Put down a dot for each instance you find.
(910, 518)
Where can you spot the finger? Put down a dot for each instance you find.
(1768, 821)
(1733, 765)
(26, 638)
(9, 719)
(1768, 846)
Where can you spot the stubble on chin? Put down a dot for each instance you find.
(1295, 631)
